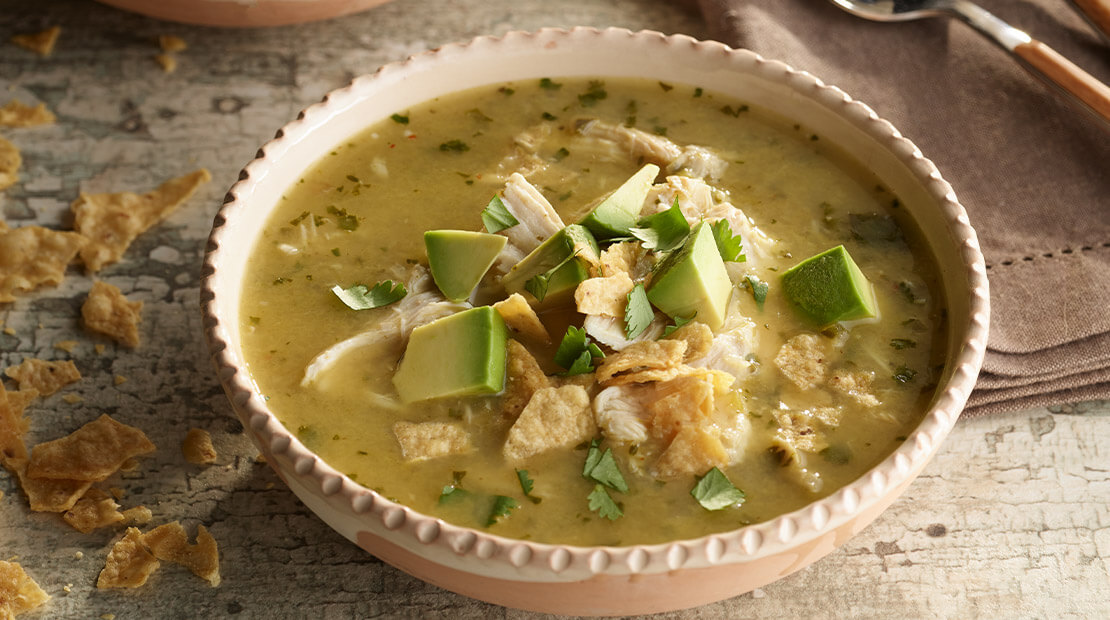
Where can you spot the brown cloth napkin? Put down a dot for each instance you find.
(1032, 170)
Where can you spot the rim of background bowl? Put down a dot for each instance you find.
(734, 546)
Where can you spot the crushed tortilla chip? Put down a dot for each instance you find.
(43, 376)
(18, 592)
(554, 418)
(798, 430)
(167, 62)
(108, 312)
(170, 43)
(93, 452)
(687, 400)
(198, 448)
(606, 296)
(47, 495)
(802, 360)
(619, 258)
(429, 440)
(650, 355)
(521, 318)
(129, 564)
(138, 514)
(41, 43)
(31, 256)
(854, 383)
(15, 113)
(693, 451)
(523, 378)
(95, 509)
(65, 345)
(112, 221)
(698, 338)
(12, 423)
(10, 161)
(170, 544)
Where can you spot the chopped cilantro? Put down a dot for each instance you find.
(678, 322)
(561, 154)
(397, 118)
(458, 146)
(638, 313)
(909, 291)
(358, 297)
(735, 112)
(255, 320)
(344, 220)
(594, 92)
(451, 493)
(526, 486)
(759, 290)
(505, 90)
(478, 115)
(593, 455)
(663, 231)
(537, 285)
(603, 505)
(604, 469)
(576, 353)
(837, 454)
(904, 374)
(335, 252)
(496, 216)
(353, 179)
(547, 116)
(299, 218)
(659, 130)
(730, 246)
(547, 84)
(502, 508)
(665, 86)
(698, 91)
(714, 491)
(903, 343)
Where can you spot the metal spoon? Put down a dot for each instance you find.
(1038, 58)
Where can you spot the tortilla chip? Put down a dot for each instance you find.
(167, 62)
(802, 360)
(521, 318)
(429, 440)
(18, 592)
(650, 355)
(95, 509)
(523, 378)
(681, 402)
(554, 418)
(170, 43)
(47, 495)
(129, 564)
(10, 161)
(854, 383)
(15, 113)
(108, 312)
(693, 451)
(66, 345)
(31, 256)
(799, 430)
(41, 43)
(93, 452)
(112, 221)
(169, 543)
(43, 376)
(12, 423)
(138, 514)
(619, 258)
(698, 338)
(606, 296)
(198, 448)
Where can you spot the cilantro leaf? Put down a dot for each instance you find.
(400, 119)
(456, 145)
(904, 374)
(678, 322)
(344, 220)
(537, 284)
(903, 343)
(606, 471)
(593, 455)
(638, 313)
(759, 290)
(452, 493)
(576, 353)
(663, 231)
(496, 216)
(525, 481)
(730, 246)
(547, 84)
(603, 505)
(714, 491)
(358, 297)
(502, 508)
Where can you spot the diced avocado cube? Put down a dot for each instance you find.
(828, 288)
(620, 210)
(563, 259)
(693, 280)
(459, 259)
(459, 355)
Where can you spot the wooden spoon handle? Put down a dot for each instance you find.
(1097, 12)
(1065, 74)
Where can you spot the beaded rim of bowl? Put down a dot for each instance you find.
(569, 562)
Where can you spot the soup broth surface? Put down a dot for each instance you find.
(358, 217)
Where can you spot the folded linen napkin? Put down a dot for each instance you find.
(1032, 170)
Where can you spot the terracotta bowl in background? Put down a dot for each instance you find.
(597, 580)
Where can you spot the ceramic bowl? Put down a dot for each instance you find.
(597, 580)
(240, 13)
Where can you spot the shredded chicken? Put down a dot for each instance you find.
(621, 414)
(538, 219)
(609, 331)
(693, 160)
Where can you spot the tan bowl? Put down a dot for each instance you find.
(243, 13)
(597, 580)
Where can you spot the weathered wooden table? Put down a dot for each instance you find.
(1012, 519)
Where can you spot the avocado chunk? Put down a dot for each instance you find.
(620, 210)
(692, 281)
(459, 259)
(459, 355)
(561, 263)
(828, 288)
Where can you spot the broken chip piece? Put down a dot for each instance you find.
(33, 256)
(15, 113)
(129, 564)
(170, 544)
(95, 509)
(10, 161)
(41, 43)
(18, 592)
(198, 448)
(93, 452)
(108, 312)
(43, 376)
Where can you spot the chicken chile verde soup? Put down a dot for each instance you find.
(593, 312)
